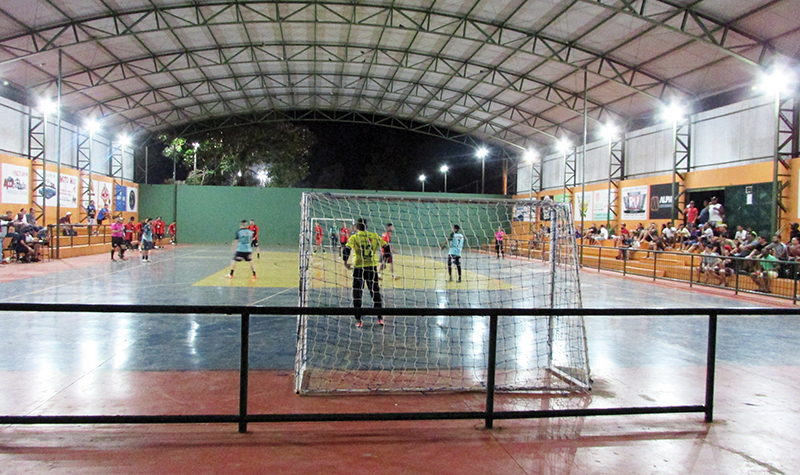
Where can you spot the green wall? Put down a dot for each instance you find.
(211, 214)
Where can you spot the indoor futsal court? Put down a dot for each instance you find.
(69, 364)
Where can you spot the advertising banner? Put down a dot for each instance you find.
(634, 202)
(661, 201)
(16, 184)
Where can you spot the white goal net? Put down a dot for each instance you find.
(448, 353)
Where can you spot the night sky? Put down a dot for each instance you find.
(399, 156)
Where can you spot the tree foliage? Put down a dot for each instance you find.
(265, 154)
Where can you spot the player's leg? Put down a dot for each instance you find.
(371, 278)
(252, 264)
(233, 265)
(358, 284)
(450, 266)
(457, 260)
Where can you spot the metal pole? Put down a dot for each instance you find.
(491, 371)
(58, 153)
(244, 369)
(445, 182)
(583, 155)
(146, 159)
(774, 224)
(674, 187)
(711, 361)
(483, 175)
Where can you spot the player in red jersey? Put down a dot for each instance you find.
(387, 257)
(130, 226)
(254, 243)
(137, 228)
(344, 236)
(158, 231)
(173, 233)
(318, 234)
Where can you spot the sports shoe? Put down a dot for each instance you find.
(380, 321)
(228, 276)
(459, 281)
(254, 278)
(359, 324)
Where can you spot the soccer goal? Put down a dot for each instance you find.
(445, 353)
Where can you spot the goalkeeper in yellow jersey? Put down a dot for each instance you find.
(366, 248)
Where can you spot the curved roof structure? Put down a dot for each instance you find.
(504, 71)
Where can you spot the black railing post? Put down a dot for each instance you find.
(794, 280)
(491, 370)
(711, 363)
(655, 263)
(244, 370)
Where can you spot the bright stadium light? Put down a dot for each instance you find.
(47, 106)
(530, 156)
(564, 145)
(610, 132)
(673, 113)
(444, 170)
(776, 82)
(92, 126)
(482, 153)
(124, 140)
(422, 179)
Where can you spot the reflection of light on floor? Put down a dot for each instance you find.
(525, 346)
(122, 339)
(193, 336)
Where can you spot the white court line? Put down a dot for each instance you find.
(47, 289)
(273, 295)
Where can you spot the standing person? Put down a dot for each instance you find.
(158, 230)
(456, 243)
(387, 257)
(118, 238)
(318, 232)
(129, 228)
(102, 215)
(366, 246)
(716, 212)
(691, 213)
(146, 242)
(138, 228)
(498, 242)
(334, 236)
(91, 214)
(173, 233)
(344, 236)
(242, 247)
(253, 227)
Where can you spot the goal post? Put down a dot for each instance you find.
(420, 353)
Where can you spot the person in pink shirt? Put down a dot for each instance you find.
(498, 242)
(118, 238)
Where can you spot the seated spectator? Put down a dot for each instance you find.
(600, 235)
(707, 262)
(778, 248)
(724, 267)
(795, 231)
(741, 234)
(668, 235)
(765, 271)
(65, 223)
(20, 244)
(624, 235)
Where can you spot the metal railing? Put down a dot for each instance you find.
(489, 414)
(61, 237)
(740, 275)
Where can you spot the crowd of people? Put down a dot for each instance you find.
(724, 252)
(23, 239)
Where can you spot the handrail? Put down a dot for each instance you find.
(488, 414)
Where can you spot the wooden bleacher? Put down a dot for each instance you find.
(82, 244)
(670, 265)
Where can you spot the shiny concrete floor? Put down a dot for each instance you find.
(170, 364)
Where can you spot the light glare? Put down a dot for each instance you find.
(482, 153)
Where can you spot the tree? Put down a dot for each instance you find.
(265, 154)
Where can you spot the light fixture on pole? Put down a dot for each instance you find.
(482, 153)
(530, 157)
(422, 179)
(609, 132)
(444, 170)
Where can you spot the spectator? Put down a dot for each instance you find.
(765, 271)
(65, 222)
(691, 213)
(716, 212)
(702, 217)
(795, 231)
(102, 215)
(741, 234)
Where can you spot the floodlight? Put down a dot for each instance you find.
(776, 82)
(564, 145)
(124, 140)
(673, 113)
(482, 153)
(609, 132)
(196, 146)
(422, 178)
(92, 126)
(47, 106)
(444, 169)
(530, 156)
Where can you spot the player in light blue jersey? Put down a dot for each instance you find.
(456, 243)
(242, 245)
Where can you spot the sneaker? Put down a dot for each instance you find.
(113, 259)
(254, 278)
(228, 276)
(459, 281)
(380, 321)
(359, 324)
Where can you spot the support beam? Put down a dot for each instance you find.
(786, 133)
(681, 135)
(616, 173)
